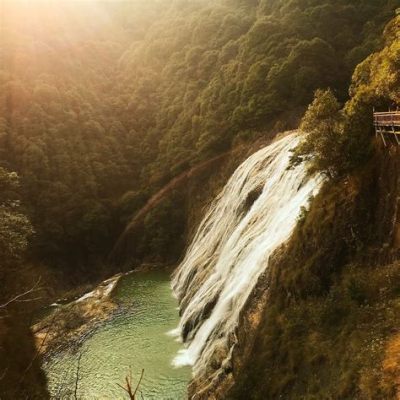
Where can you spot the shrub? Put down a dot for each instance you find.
(321, 148)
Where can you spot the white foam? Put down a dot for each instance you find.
(233, 245)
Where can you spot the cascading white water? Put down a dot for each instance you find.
(254, 214)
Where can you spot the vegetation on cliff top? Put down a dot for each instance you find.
(330, 328)
(338, 140)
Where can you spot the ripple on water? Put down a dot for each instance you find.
(135, 337)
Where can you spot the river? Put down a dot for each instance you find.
(135, 337)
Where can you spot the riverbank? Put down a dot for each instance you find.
(68, 323)
(77, 314)
(133, 336)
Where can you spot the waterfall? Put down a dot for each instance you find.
(254, 214)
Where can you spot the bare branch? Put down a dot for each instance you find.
(77, 377)
(128, 383)
(38, 350)
(29, 300)
(18, 297)
(140, 381)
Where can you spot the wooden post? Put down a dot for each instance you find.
(387, 123)
(383, 138)
(395, 134)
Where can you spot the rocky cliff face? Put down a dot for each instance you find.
(253, 215)
(323, 322)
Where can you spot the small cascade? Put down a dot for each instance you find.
(254, 214)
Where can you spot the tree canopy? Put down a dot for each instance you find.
(338, 140)
(102, 104)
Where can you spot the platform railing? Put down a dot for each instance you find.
(391, 118)
(387, 123)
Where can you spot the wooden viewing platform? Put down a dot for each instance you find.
(387, 123)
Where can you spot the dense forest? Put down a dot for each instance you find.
(103, 103)
(99, 113)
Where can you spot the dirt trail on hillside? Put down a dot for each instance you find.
(165, 191)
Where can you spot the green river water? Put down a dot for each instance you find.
(137, 337)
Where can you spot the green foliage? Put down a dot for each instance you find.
(375, 84)
(338, 140)
(102, 104)
(92, 108)
(15, 227)
(164, 229)
(17, 350)
(322, 146)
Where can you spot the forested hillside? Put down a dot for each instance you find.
(99, 112)
(103, 103)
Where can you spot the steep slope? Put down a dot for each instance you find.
(253, 215)
(327, 326)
